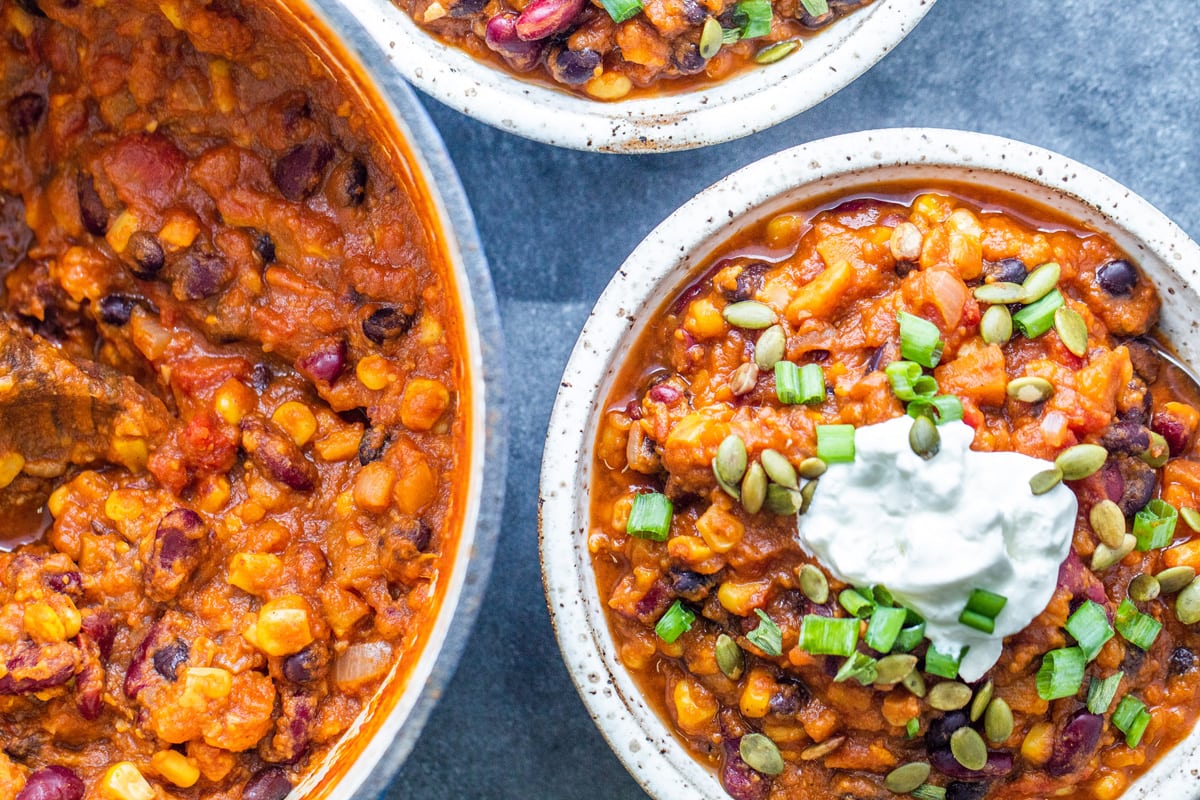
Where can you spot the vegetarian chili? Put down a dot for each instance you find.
(746, 390)
(233, 401)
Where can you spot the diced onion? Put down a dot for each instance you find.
(362, 663)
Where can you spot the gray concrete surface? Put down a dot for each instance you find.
(1111, 84)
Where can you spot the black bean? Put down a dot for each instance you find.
(1076, 743)
(168, 660)
(940, 728)
(748, 282)
(386, 323)
(816, 22)
(573, 67)
(308, 665)
(691, 586)
(1134, 658)
(876, 359)
(52, 783)
(261, 377)
(347, 184)
(25, 112)
(998, 763)
(31, 7)
(267, 784)
(147, 255)
(789, 698)
(1138, 481)
(967, 790)
(116, 309)
(199, 274)
(92, 212)
(1006, 270)
(686, 57)
(1145, 358)
(1117, 277)
(1126, 437)
(467, 8)
(264, 245)
(298, 172)
(1182, 660)
(693, 12)
(370, 448)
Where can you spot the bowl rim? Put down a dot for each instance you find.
(764, 96)
(640, 739)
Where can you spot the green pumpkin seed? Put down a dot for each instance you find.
(710, 38)
(1045, 480)
(998, 721)
(1040, 282)
(1080, 461)
(914, 683)
(968, 748)
(761, 754)
(779, 469)
(806, 495)
(906, 777)
(782, 501)
(894, 668)
(1071, 329)
(812, 468)
(823, 749)
(1187, 603)
(730, 658)
(730, 489)
(1144, 588)
(814, 584)
(1108, 522)
(1174, 579)
(996, 326)
(1190, 515)
(754, 489)
(1158, 452)
(980, 702)
(1030, 389)
(1105, 556)
(1000, 293)
(770, 348)
(949, 696)
(730, 463)
(749, 314)
(923, 437)
(773, 53)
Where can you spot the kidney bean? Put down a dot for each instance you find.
(36, 668)
(145, 254)
(25, 112)
(998, 764)
(298, 172)
(1172, 429)
(276, 454)
(310, 664)
(966, 790)
(1138, 480)
(665, 393)
(115, 309)
(293, 730)
(741, 782)
(199, 274)
(100, 628)
(1117, 277)
(52, 783)
(816, 22)
(1146, 362)
(1075, 744)
(1080, 581)
(542, 19)
(572, 67)
(324, 362)
(1181, 661)
(176, 552)
(386, 323)
(748, 282)
(267, 784)
(1007, 270)
(66, 583)
(1126, 437)
(940, 728)
(501, 36)
(141, 667)
(347, 184)
(92, 212)
(89, 681)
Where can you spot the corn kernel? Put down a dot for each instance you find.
(215, 494)
(416, 487)
(132, 452)
(213, 683)
(435, 12)
(720, 530)
(296, 420)
(124, 226)
(429, 330)
(68, 614)
(609, 86)
(21, 22)
(11, 465)
(123, 781)
(703, 320)
(223, 88)
(1038, 745)
(755, 701)
(123, 505)
(373, 487)
(423, 404)
(1109, 787)
(234, 400)
(695, 707)
(282, 627)
(339, 445)
(255, 573)
(171, 11)
(176, 768)
(344, 504)
(180, 230)
(742, 598)
(374, 372)
(43, 624)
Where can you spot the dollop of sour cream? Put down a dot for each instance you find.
(933, 531)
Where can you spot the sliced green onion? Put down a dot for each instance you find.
(909, 637)
(929, 791)
(980, 622)
(767, 636)
(1061, 673)
(885, 626)
(912, 727)
(883, 597)
(1137, 628)
(944, 665)
(1089, 625)
(828, 636)
(943, 408)
(987, 603)
(855, 604)
(1154, 525)
(920, 340)
(1036, 318)
(1131, 719)
(908, 382)
(867, 592)
(753, 18)
(730, 35)
(858, 666)
(650, 517)
(815, 8)
(676, 622)
(621, 10)
(835, 443)
(1102, 692)
(794, 385)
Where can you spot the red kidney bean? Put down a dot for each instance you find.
(66, 583)
(52, 783)
(1080, 581)
(1117, 277)
(664, 393)
(267, 784)
(998, 764)
(25, 112)
(501, 36)
(92, 212)
(542, 19)
(1171, 428)
(1075, 744)
(99, 627)
(739, 780)
(298, 172)
(176, 552)
(324, 362)
(141, 667)
(89, 681)
(748, 282)
(35, 668)
(276, 454)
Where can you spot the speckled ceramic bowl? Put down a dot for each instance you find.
(743, 105)
(659, 266)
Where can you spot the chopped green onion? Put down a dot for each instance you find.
(1089, 625)
(816, 8)
(767, 636)
(884, 628)
(855, 604)
(730, 35)
(794, 385)
(909, 637)
(908, 382)
(867, 592)
(829, 636)
(883, 597)
(1102, 692)
(835, 443)
(676, 622)
(1131, 719)
(621, 10)
(987, 603)
(1137, 628)
(753, 18)
(980, 622)
(944, 665)
(650, 517)
(858, 666)
(929, 791)
(1036, 318)
(812, 384)
(943, 408)
(1154, 525)
(920, 340)
(1061, 673)
(912, 727)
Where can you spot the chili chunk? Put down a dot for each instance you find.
(705, 454)
(232, 374)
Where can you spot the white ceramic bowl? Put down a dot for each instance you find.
(658, 268)
(745, 104)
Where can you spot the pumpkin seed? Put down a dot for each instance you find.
(779, 469)
(998, 721)
(749, 314)
(1108, 522)
(710, 38)
(1040, 282)
(906, 777)
(968, 748)
(760, 754)
(914, 683)
(1045, 480)
(996, 325)
(754, 489)
(773, 53)
(812, 468)
(1071, 329)
(894, 668)
(731, 459)
(730, 658)
(1029, 389)
(744, 379)
(1173, 579)
(923, 437)
(1144, 588)
(729, 489)
(814, 584)
(980, 703)
(782, 501)
(949, 696)
(1105, 556)
(1000, 293)
(1080, 461)
(1190, 515)
(823, 749)
(1187, 604)
(806, 495)
(1158, 452)
(770, 348)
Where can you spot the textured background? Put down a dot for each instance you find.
(1111, 84)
